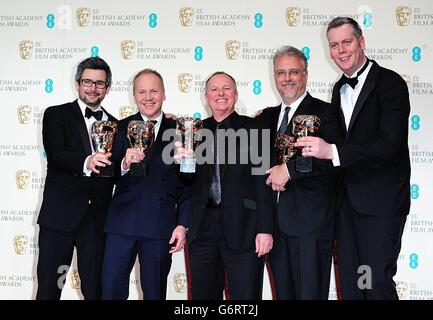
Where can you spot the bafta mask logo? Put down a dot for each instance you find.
(22, 178)
(185, 16)
(401, 288)
(24, 112)
(75, 279)
(126, 111)
(83, 16)
(127, 48)
(180, 283)
(293, 15)
(233, 48)
(402, 14)
(20, 244)
(406, 78)
(26, 48)
(184, 81)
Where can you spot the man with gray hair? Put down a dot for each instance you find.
(301, 258)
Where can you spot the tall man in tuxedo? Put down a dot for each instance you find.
(374, 109)
(75, 201)
(301, 259)
(231, 221)
(148, 214)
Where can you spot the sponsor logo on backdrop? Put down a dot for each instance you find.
(21, 85)
(17, 215)
(131, 49)
(29, 115)
(402, 288)
(83, 16)
(126, 111)
(20, 244)
(416, 293)
(420, 156)
(306, 17)
(127, 48)
(179, 282)
(87, 17)
(19, 21)
(25, 179)
(18, 150)
(121, 86)
(198, 82)
(235, 50)
(38, 51)
(416, 17)
(293, 16)
(200, 17)
(421, 87)
(25, 48)
(75, 279)
(186, 16)
(387, 53)
(402, 15)
(16, 280)
(25, 245)
(184, 81)
(22, 178)
(24, 112)
(320, 87)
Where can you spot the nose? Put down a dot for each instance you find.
(341, 48)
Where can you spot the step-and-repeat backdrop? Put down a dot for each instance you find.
(43, 41)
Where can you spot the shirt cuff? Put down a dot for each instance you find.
(336, 157)
(123, 171)
(287, 170)
(86, 171)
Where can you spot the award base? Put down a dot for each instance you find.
(187, 165)
(139, 169)
(304, 164)
(107, 171)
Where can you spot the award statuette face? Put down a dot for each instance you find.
(285, 147)
(102, 134)
(140, 136)
(305, 125)
(189, 130)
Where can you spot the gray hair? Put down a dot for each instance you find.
(291, 52)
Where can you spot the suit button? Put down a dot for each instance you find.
(163, 180)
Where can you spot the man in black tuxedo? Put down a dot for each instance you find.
(75, 200)
(301, 258)
(231, 221)
(374, 110)
(148, 214)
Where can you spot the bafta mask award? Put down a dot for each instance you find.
(285, 146)
(305, 125)
(189, 129)
(140, 136)
(102, 134)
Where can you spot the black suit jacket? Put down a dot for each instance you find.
(68, 191)
(246, 205)
(307, 208)
(375, 151)
(151, 206)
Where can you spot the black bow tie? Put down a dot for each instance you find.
(96, 114)
(353, 81)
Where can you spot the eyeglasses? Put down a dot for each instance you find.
(291, 73)
(98, 84)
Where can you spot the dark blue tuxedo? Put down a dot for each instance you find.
(143, 209)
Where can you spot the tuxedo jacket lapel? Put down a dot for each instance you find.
(78, 119)
(369, 84)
